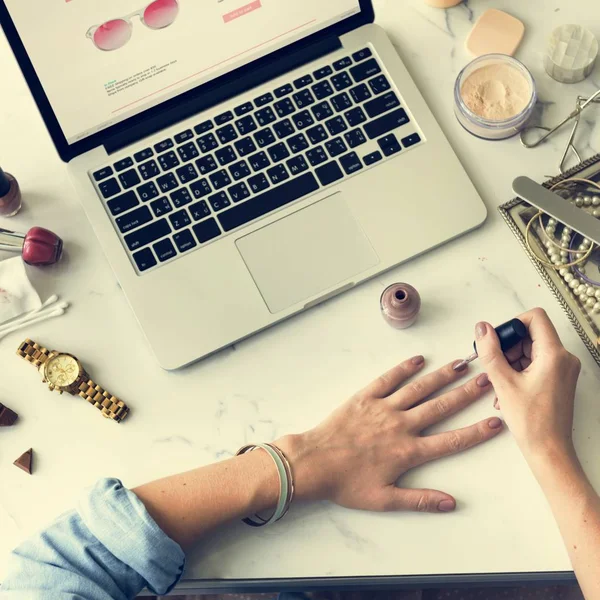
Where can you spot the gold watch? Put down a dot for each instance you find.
(64, 373)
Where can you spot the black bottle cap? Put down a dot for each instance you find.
(4, 183)
(510, 334)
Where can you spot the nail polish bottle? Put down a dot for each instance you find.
(38, 247)
(10, 195)
(400, 305)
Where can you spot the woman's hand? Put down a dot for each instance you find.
(355, 457)
(535, 385)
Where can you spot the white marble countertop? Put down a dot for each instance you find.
(291, 376)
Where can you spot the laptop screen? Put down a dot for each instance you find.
(103, 61)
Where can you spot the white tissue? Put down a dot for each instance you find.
(17, 295)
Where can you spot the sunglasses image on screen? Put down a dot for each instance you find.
(114, 34)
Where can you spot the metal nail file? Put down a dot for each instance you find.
(557, 207)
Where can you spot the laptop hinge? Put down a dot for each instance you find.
(215, 93)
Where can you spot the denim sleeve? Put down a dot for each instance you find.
(110, 548)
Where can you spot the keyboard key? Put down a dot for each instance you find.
(143, 154)
(246, 125)
(164, 145)
(203, 127)
(298, 143)
(277, 174)
(360, 93)
(239, 192)
(149, 170)
(226, 155)
(373, 158)
(341, 102)
(136, 218)
(265, 116)
(103, 173)
(200, 188)
(184, 240)
(224, 118)
(329, 173)
(341, 81)
(297, 165)
(220, 179)
(411, 140)
(148, 234)
(317, 134)
(168, 161)
(270, 200)
(381, 104)
(322, 111)
(322, 90)
(199, 210)
(344, 63)
(278, 152)
(206, 231)
(355, 138)
(181, 197)
(184, 136)
(284, 90)
(336, 147)
(365, 70)
(379, 84)
(187, 151)
(148, 191)
(355, 116)
(389, 144)
(303, 119)
(144, 259)
(303, 98)
(283, 128)
(167, 182)
(362, 54)
(245, 146)
(164, 250)
(351, 163)
(387, 123)
(336, 125)
(122, 203)
(129, 178)
(264, 99)
(187, 173)
(323, 72)
(303, 81)
(239, 170)
(161, 207)
(206, 164)
(259, 161)
(227, 134)
(264, 137)
(258, 183)
(284, 107)
(316, 156)
(180, 219)
(219, 201)
(207, 142)
(123, 164)
(243, 109)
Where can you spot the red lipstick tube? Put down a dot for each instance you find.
(38, 247)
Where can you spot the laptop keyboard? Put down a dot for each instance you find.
(185, 191)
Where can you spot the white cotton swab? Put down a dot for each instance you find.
(56, 312)
(30, 314)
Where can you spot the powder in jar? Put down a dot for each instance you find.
(496, 92)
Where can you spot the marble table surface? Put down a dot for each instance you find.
(289, 377)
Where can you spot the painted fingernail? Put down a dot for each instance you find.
(446, 506)
(480, 330)
(483, 380)
(460, 365)
(418, 360)
(495, 423)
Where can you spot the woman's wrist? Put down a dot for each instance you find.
(553, 460)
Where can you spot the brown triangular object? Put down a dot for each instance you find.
(7, 416)
(25, 461)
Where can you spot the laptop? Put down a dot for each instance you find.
(240, 161)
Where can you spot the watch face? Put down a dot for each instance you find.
(62, 370)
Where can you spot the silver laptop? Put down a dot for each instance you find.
(240, 160)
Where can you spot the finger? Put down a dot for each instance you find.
(517, 366)
(527, 347)
(515, 353)
(496, 404)
(540, 327)
(435, 410)
(425, 386)
(525, 362)
(394, 498)
(389, 382)
(459, 440)
(491, 355)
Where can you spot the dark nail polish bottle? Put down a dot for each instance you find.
(10, 195)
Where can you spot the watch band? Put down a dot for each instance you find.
(33, 353)
(110, 406)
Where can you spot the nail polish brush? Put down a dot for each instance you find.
(38, 246)
(509, 334)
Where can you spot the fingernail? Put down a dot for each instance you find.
(460, 365)
(446, 506)
(495, 423)
(483, 380)
(480, 330)
(418, 360)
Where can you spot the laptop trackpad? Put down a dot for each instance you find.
(311, 251)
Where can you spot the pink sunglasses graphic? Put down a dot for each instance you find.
(114, 34)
